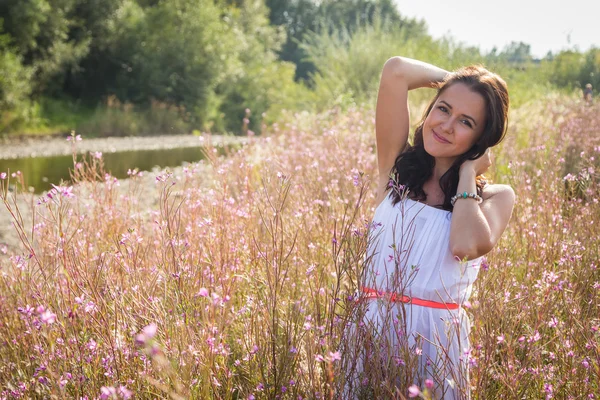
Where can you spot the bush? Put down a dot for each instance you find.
(15, 88)
(117, 119)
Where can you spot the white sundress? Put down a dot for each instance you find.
(409, 250)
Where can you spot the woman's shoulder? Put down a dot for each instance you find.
(498, 191)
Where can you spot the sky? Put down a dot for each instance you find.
(550, 25)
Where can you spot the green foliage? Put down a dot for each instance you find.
(298, 17)
(207, 61)
(15, 87)
(305, 17)
(127, 120)
(565, 67)
(514, 53)
(573, 70)
(177, 53)
(590, 71)
(349, 65)
(41, 32)
(59, 116)
(258, 81)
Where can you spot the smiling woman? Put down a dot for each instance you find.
(436, 218)
(452, 126)
(467, 116)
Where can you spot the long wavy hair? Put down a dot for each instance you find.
(414, 166)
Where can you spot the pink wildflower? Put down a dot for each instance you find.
(146, 335)
(48, 317)
(414, 391)
(335, 356)
(536, 336)
(107, 392)
(484, 264)
(66, 191)
(124, 392)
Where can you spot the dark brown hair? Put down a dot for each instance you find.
(414, 166)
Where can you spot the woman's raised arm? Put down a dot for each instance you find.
(399, 75)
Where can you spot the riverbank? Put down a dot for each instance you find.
(9, 241)
(24, 204)
(53, 146)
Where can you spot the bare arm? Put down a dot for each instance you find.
(399, 75)
(476, 228)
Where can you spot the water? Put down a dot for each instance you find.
(42, 172)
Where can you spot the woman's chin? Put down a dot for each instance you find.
(436, 152)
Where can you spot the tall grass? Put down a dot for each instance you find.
(239, 280)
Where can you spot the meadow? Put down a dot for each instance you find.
(238, 282)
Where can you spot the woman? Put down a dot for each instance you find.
(436, 218)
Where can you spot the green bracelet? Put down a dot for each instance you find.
(466, 195)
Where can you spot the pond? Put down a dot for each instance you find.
(42, 172)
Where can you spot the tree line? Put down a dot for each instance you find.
(199, 64)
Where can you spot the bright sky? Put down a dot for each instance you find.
(545, 25)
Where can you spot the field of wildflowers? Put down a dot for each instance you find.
(238, 282)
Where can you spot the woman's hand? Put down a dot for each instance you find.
(479, 165)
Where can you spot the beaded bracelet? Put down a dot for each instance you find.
(465, 195)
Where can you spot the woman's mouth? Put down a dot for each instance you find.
(439, 138)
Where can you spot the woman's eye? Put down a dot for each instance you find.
(443, 109)
(467, 123)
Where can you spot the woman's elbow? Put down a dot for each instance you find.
(393, 67)
(464, 251)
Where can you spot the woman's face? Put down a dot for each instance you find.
(454, 123)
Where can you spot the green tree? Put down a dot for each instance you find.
(260, 81)
(349, 65)
(565, 69)
(590, 70)
(176, 52)
(516, 53)
(15, 85)
(40, 30)
(303, 17)
(96, 21)
(298, 17)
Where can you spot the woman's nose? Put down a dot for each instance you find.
(448, 125)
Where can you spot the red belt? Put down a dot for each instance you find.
(394, 297)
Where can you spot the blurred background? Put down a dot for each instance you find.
(151, 67)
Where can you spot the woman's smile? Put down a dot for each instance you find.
(439, 138)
